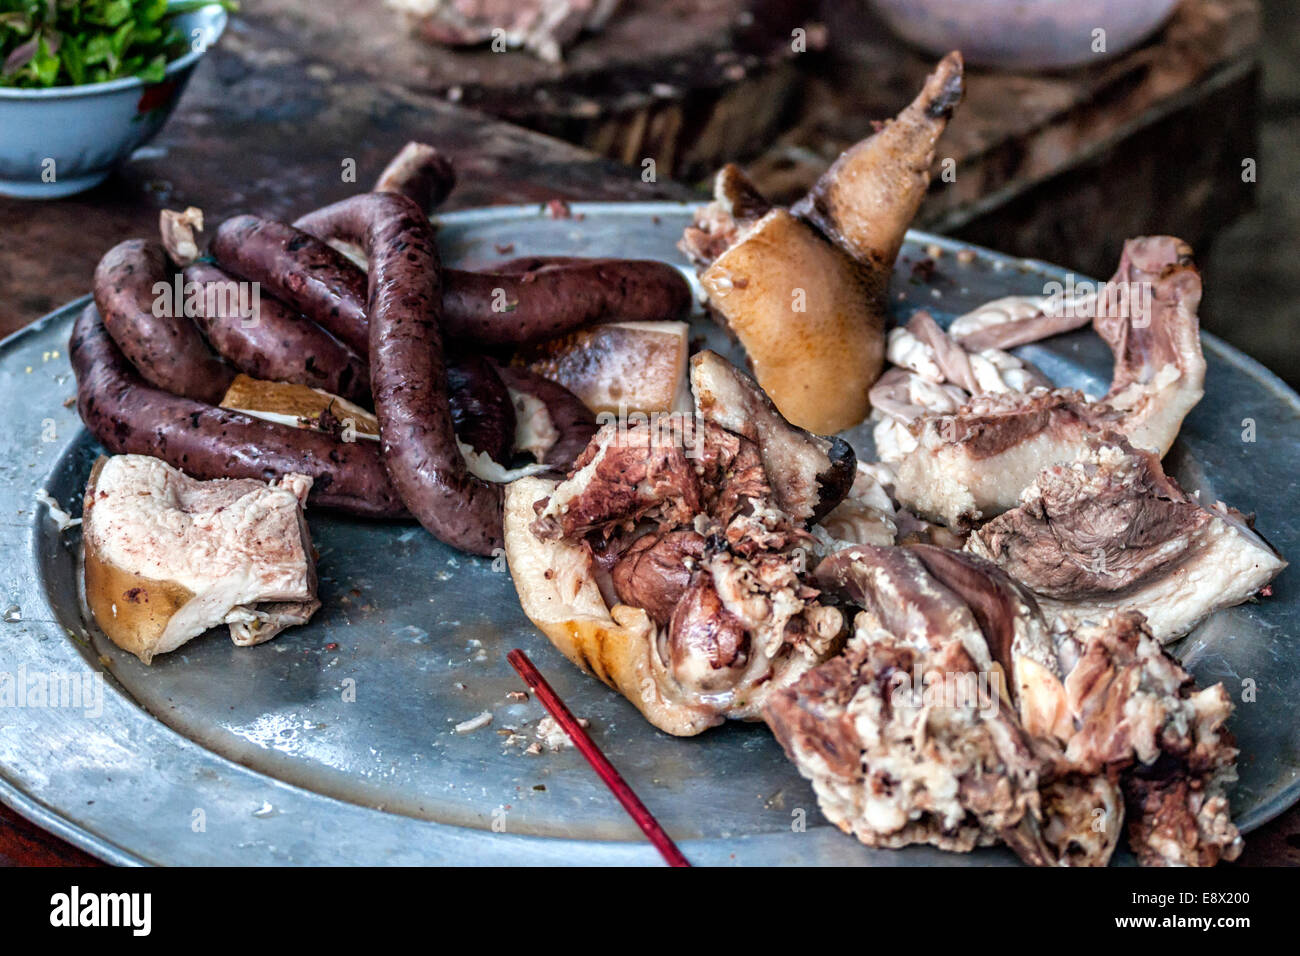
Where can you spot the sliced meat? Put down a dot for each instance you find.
(1112, 531)
(962, 466)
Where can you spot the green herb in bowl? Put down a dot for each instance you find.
(46, 43)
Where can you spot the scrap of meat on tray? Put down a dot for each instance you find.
(957, 635)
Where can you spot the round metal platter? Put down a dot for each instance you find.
(335, 743)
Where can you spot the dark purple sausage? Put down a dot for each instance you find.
(572, 419)
(128, 416)
(481, 410)
(298, 269)
(420, 173)
(530, 263)
(280, 345)
(517, 308)
(162, 343)
(286, 347)
(530, 299)
(407, 373)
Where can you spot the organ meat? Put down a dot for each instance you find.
(1112, 531)
(912, 734)
(672, 560)
(959, 466)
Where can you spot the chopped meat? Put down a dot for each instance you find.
(702, 539)
(708, 646)
(973, 463)
(960, 466)
(1136, 708)
(1112, 531)
(625, 475)
(891, 766)
(909, 735)
(653, 573)
(809, 474)
(1153, 330)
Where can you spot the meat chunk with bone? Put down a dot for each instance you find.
(1112, 531)
(701, 521)
(911, 735)
(960, 466)
(1136, 709)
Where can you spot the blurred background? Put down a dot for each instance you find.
(1179, 118)
(1085, 123)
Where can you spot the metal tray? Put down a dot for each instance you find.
(334, 743)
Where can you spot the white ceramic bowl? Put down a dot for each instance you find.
(63, 140)
(1025, 34)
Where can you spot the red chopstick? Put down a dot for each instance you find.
(604, 769)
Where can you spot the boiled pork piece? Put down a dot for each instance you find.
(1136, 710)
(168, 556)
(971, 463)
(912, 734)
(1112, 531)
(672, 561)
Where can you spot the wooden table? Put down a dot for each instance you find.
(266, 129)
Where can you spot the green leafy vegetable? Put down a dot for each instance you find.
(46, 43)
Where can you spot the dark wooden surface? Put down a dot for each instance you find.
(265, 128)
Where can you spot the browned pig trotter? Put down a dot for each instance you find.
(162, 344)
(127, 415)
(407, 373)
(280, 345)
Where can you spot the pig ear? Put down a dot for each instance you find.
(559, 594)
